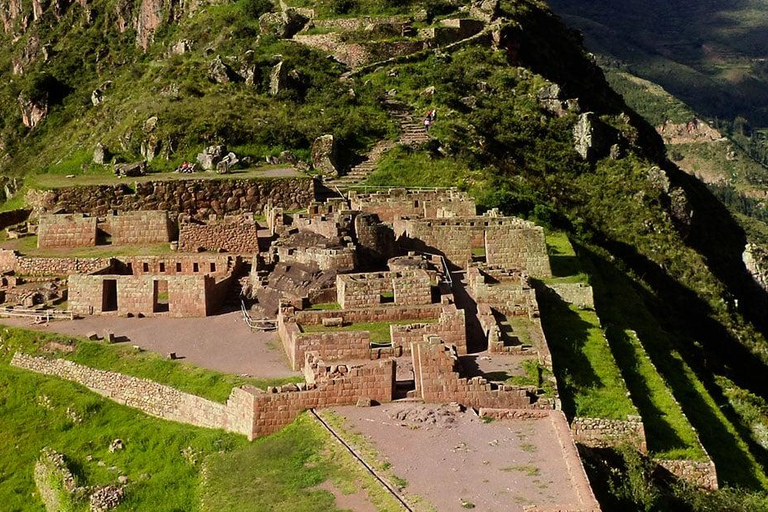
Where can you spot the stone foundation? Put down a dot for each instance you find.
(10, 261)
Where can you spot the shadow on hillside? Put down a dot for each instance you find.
(566, 335)
(627, 307)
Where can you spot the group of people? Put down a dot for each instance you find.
(186, 168)
(430, 118)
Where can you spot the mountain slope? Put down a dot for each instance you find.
(508, 112)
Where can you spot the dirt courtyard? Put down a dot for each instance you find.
(455, 461)
(221, 342)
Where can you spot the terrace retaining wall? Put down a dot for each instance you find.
(196, 197)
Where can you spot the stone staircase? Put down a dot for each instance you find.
(412, 133)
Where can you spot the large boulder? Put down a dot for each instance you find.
(284, 24)
(131, 170)
(211, 156)
(593, 138)
(324, 155)
(220, 72)
(101, 154)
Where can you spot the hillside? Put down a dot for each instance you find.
(663, 253)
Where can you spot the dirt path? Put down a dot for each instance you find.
(221, 342)
(456, 463)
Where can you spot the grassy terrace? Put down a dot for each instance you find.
(57, 180)
(285, 470)
(625, 313)
(379, 330)
(164, 460)
(590, 381)
(669, 433)
(591, 384)
(28, 247)
(186, 377)
(40, 411)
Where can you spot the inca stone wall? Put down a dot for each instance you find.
(356, 345)
(235, 235)
(400, 202)
(602, 432)
(450, 327)
(579, 294)
(136, 228)
(366, 290)
(273, 410)
(187, 296)
(508, 242)
(248, 411)
(196, 197)
(522, 247)
(152, 398)
(436, 372)
(508, 292)
(74, 230)
(180, 264)
(10, 261)
(701, 474)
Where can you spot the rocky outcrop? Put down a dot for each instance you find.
(324, 155)
(592, 138)
(278, 78)
(284, 25)
(756, 260)
(32, 112)
(220, 72)
(101, 154)
(551, 98)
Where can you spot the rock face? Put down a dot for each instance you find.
(592, 138)
(756, 260)
(31, 112)
(324, 155)
(278, 78)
